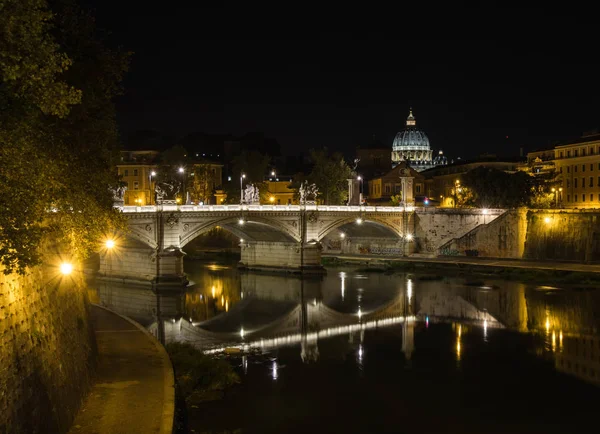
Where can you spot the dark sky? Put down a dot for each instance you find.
(191, 72)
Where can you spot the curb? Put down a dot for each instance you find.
(168, 413)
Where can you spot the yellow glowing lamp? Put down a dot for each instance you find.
(66, 268)
(271, 199)
(109, 244)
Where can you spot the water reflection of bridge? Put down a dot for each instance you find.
(272, 311)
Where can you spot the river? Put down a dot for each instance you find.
(364, 352)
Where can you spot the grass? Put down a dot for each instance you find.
(200, 377)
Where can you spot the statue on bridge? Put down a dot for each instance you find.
(307, 190)
(251, 195)
(119, 194)
(165, 193)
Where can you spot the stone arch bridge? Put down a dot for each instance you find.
(284, 237)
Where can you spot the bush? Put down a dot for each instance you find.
(200, 377)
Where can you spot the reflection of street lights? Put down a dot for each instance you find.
(242, 176)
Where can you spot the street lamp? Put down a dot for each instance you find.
(360, 200)
(242, 176)
(66, 268)
(184, 196)
(109, 244)
(152, 190)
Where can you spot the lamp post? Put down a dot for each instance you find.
(242, 176)
(560, 195)
(152, 190)
(360, 198)
(182, 171)
(554, 193)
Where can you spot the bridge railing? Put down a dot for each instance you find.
(263, 208)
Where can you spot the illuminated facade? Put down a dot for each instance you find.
(135, 169)
(412, 145)
(578, 167)
(279, 193)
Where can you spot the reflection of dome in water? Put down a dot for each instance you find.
(412, 145)
(440, 160)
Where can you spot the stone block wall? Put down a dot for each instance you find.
(129, 263)
(503, 237)
(47, 350)
(435, 228)
(282, 255)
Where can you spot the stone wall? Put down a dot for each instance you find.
(372, 246)
(503, 237)
(47, 350)
(435, 227)
(571, 235)
(278, 255)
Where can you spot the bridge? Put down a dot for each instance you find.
(280, 237)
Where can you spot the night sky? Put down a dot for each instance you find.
(191, 72)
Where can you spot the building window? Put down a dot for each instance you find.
(561, 154)
(127, 172)
(592, 150)
(583, 167)
(592, 197)
(591, 181)
(568, 183)
(568, 153)
(583, 197)
(582, 182)
(575, 198)
(135, 172)
(576, 153)
(591, 167)
(583, 152)
(568, 169)
(575, 183)
(136, 185)
(575, 169)
(560, 170)
(388, 188)
(418, 188)
(568, 198)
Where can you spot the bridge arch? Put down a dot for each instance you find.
(253, 229)
(369, 226)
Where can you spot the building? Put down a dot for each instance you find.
(279, 192)
(374, 159)
(136, 170)
(577, 164)
(412, 145)
(382, 188)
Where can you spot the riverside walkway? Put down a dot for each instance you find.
(134, 389)
(463, 261)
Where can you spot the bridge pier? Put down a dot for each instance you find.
(281, 256)
(144, 265)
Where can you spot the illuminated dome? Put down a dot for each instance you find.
(440, 160)
(412, 145)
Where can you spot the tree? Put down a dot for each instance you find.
(171, 161)
(492, 188)
(330, 173)
(201, 184)
(58, 135)
(254, 166)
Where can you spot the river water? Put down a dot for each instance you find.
(360, 352)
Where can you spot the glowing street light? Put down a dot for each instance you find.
(359, 221)
(66, 268)
(181, 170)
(109, 244)
(242, 176)
(408, 237)
(547, 220)
(342, 235)
(241, 221)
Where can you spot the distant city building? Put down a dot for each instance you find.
(412, 145)
(382, 188)
(375, 159)
(577, 164)
(135, 170)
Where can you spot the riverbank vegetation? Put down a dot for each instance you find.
(58, 132)
(200, 377)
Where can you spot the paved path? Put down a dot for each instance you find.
(134, 383)
(486, 262)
